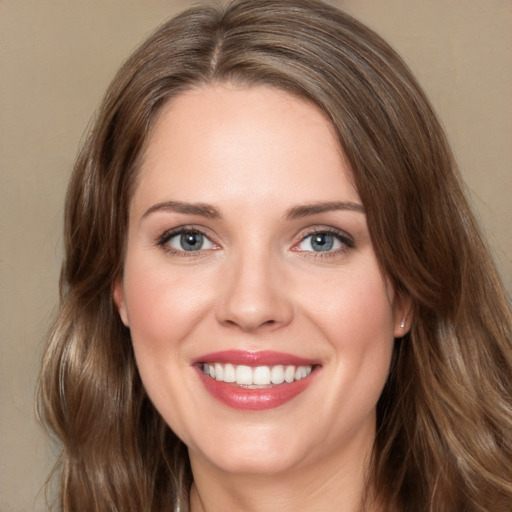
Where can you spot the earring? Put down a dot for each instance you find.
(402, 323)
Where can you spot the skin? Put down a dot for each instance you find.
(255, 154)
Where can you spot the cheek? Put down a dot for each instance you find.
(356, 317)
(163, 304)
(355, 305)
(164, 307)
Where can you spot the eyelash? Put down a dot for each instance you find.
(163, 241)
(343, 238)
(346, 241)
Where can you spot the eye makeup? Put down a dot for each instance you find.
(323, 241)
(317, 242)
(186, 241)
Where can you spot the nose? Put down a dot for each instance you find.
(254, 296)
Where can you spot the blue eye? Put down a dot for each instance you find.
(187, 241)
(324, 241)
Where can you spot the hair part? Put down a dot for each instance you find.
(445, 416)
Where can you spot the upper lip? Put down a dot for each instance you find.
(254, 358)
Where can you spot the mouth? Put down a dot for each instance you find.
(255, 380)
(255, 377)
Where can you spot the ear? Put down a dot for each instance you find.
(403, 314)
(120, 300)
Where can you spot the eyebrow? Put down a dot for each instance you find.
(306, 210)
(211, 212)
(201, 209)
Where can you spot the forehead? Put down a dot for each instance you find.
(224, 141)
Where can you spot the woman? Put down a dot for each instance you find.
(275, 295)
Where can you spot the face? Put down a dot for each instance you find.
(262, 326)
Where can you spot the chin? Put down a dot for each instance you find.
(252, 451)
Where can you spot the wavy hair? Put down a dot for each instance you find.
(444, 439)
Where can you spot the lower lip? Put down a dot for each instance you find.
(247, 399)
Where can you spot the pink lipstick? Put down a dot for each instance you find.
(248, 380)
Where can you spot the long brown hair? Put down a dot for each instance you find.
(444, 440)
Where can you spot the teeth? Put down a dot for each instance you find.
(261, 376)
(256, 376)
(289, 374)
(219, 371)
(229, 373)
(277, 374)
(300, 373)
(244, 375)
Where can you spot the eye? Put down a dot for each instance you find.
(186, 240)
(324, 242)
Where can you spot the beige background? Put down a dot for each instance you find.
(57, 57)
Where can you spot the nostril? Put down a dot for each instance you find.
(250, 326)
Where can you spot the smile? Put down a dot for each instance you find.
(255, 381)
(256, 377)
